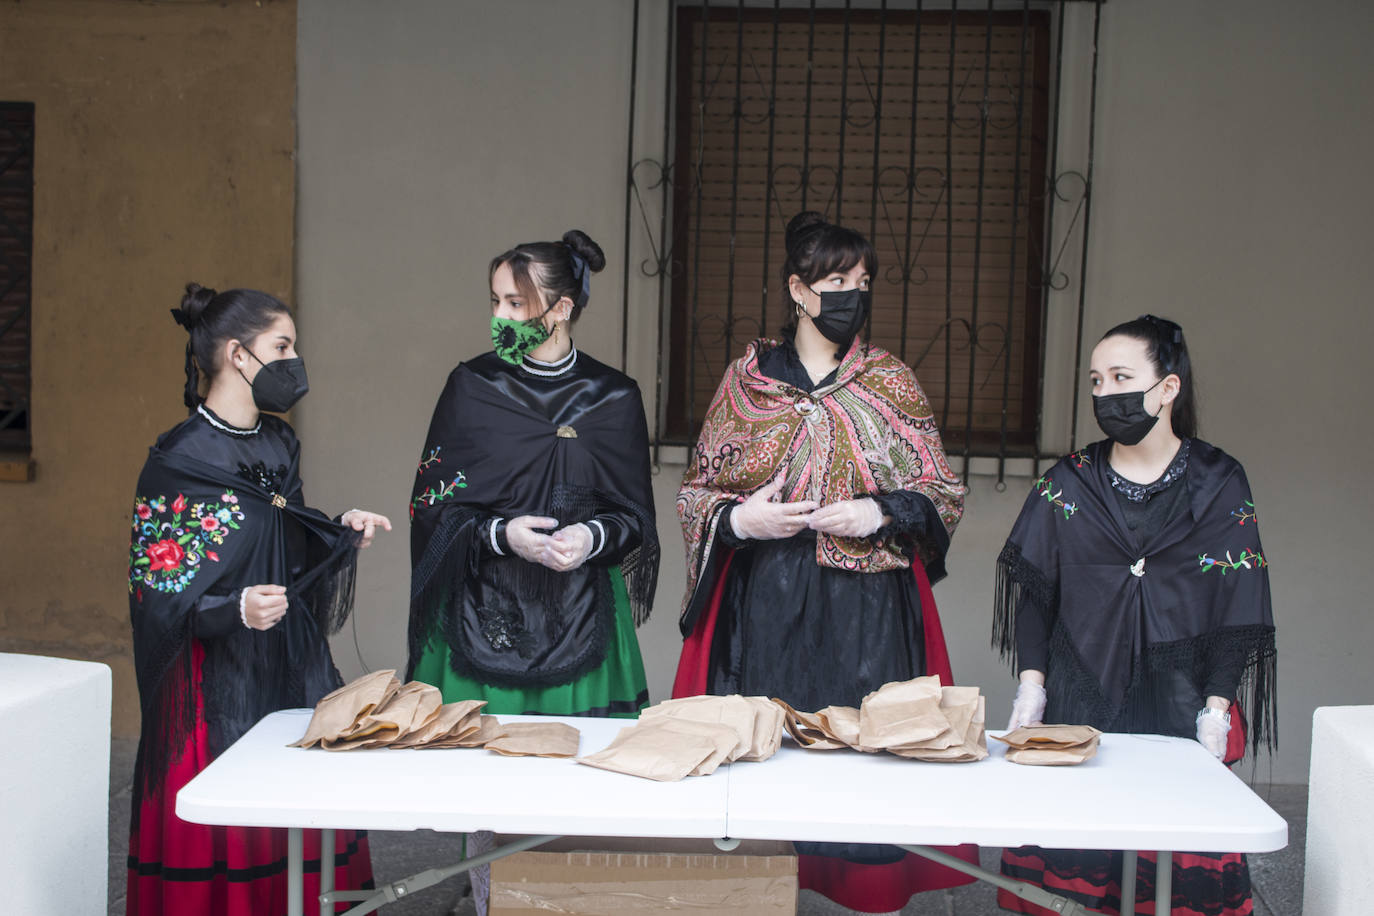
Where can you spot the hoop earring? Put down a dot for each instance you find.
(555, 332)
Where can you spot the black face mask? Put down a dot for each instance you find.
(842, 314)
(278, 384)
(1123, 416)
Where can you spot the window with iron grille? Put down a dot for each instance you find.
(927, 132)
(16, 258)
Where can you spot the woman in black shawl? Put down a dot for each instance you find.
(234, 586)
(1133, 595)
(533, 547)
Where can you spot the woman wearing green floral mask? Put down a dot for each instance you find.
(533, 542)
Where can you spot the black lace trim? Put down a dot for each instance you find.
(1019, 582)
(1139, 492)
(1075, 695)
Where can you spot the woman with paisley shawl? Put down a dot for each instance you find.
(817, 508)
(234, 586)
(1133, 596)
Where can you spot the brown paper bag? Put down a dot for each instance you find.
(450, 721)
(665, 750)
(807, 729)
(756, 722)
(339, 713)
(536, 739)
(964, 709)
(845, 723)
(389, 721)
(906, 714)
(475, 732)
(1051, 745)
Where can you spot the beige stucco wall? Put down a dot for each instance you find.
(165, 140)
(1229, 194)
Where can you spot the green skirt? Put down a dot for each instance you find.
(616, 687)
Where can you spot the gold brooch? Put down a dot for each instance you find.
(278, 501)
(567, 432)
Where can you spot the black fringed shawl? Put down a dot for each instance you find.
(1139, 635)
(201, 533)
(506, 442)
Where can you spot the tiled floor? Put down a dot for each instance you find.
(1277, 877)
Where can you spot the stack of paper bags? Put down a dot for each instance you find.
(692, 737)
(1051, 745)
(917, 719)
(377, 710)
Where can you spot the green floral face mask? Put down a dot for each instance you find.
(513, 339)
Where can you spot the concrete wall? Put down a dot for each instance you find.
(1229, 194)
(164, 153)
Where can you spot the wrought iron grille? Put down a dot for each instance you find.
(16, 259)
(929, 131)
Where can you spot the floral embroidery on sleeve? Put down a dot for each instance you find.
(172, 541)
(1248, 559)
(1245, 513)
(1045, 487)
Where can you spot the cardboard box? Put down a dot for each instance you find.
(603, 876)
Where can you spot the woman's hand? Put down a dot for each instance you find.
(1214, 726)
(1029, 706)
(761, 519)
(527, 538)
(261, 607)
(366, 522)
(568, 548)
(850, 518)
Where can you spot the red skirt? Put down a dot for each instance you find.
(1204, 884)
(866, 888)
(176, 867)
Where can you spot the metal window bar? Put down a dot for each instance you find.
(16, 260)
(720, 206)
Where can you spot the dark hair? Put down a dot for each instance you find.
(1168, 353)
(212, 318)
(815, 250)
(548, 267)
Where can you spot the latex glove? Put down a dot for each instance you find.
(527, 537)
(261, 607)
(366, 522)
(1029, 706)
(568, 548)
(761, 519)
(852, 518)
(1212, 731)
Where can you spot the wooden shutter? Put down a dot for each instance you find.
(16, 258)
(937, 157)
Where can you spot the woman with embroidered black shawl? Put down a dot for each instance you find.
(234, 585)
(533, 548)
(1133, 595)
(817, 508)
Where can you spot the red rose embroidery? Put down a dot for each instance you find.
(165, 555)
(209, 523)
(144, 512)
(179, 504)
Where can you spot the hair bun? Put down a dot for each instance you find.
(193, 304)
(588, 250)
(802, 225)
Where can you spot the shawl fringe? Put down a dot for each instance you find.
(1018, 582)
(1073, 694)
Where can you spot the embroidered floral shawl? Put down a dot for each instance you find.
(870, 431)
(1127, 617)
(199, 529)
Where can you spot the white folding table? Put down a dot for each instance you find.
(1139, 792)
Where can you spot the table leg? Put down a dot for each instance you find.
(294, 889)
(1164, 881)
(1128, 867)
(326, 872)
(1033, 893)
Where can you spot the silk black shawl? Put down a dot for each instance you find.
(506, 442)
(1134, 617)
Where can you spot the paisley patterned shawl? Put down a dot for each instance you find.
(870, 431)
(1191, 597)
